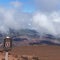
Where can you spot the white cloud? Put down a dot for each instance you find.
(42, 22)
(47, 23)
(9, 19)
(13, 18)
(47, 5)
(16, 4)
(55, 16)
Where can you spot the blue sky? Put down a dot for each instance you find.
(27, 6)
(32, 5)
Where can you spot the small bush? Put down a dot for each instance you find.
(3, 58)
(24, 58)
(35, 58)
(16, 56)
(18, 59)
(9, 53)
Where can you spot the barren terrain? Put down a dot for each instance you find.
(42, 52)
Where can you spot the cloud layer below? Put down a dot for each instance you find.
(16, 19)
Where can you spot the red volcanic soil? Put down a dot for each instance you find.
(42, 52)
